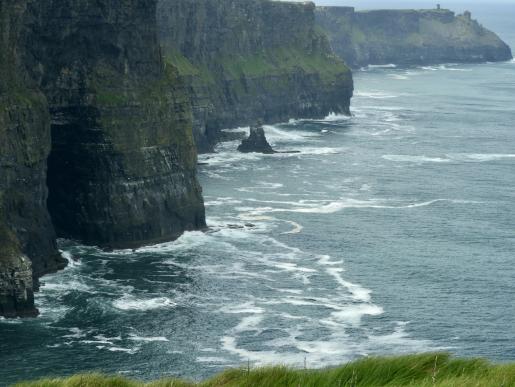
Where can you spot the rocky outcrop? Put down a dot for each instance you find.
(409, 37)
(256, 142)
(249, 60)
(16, 282)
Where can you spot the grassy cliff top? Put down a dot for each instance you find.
(415, 370)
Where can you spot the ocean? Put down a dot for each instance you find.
(391, 231)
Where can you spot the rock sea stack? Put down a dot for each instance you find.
(256, 143)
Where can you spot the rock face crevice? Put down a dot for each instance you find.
(409, 37)
(250, 60)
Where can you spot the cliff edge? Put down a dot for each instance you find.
(409, 37)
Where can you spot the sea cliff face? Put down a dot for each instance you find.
(122, 170)
(83, 85)
(25, 225)
(250, 60)
(409, 37)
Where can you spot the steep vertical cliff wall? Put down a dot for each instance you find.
(24, 146)
(83, 85)
(25, 226)
(244, 60)
(122, 170)
(409, 37)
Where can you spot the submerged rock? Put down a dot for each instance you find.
(256, 143)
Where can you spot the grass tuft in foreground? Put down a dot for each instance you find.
(415, 370)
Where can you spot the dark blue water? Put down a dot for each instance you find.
(392, 231)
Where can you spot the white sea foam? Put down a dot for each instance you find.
(375, 95)
(334, 117)
(72, 262)
(129, 302)
(245, 308)
(150, 339)
(430, 68)
(358, 292)
(331, 207)
(130, 351)
(352, 314)
(399, 77)
(297, 228)
(384, 66)
(66, 286)
(275, 134)
(221, 201)
(416, 159)
(212, 359)
(249, 323)
(457, 157)
(482, 157)
(75, 333)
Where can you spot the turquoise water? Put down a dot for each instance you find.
(391, 231)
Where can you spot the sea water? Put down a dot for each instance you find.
(391, 231)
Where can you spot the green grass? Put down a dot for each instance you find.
(269, 63)
(282, 61)
(414, 370)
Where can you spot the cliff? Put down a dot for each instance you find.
(409, 37)
(25, 224)
(250, 60)
(122, 170)
(83, 85)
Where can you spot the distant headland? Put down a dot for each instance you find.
(409, 37)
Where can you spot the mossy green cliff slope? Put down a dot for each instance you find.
(409, 37)
(249, 60)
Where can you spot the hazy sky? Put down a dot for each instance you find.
(405, 3)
